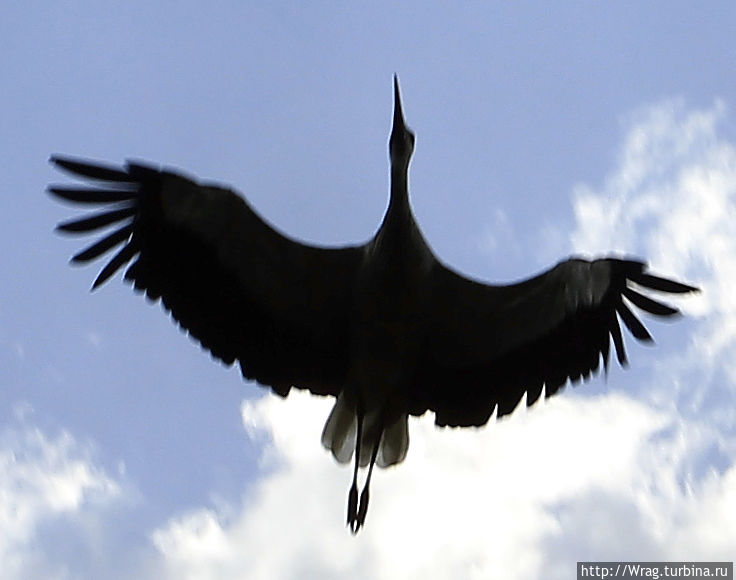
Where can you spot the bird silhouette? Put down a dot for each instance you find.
(384, 327)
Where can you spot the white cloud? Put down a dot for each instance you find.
(673, 200)
(43, 480)
(631, 476)
(600, 474)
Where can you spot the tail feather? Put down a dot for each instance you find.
(340, 431)
(395, 443)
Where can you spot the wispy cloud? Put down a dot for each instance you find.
(673, 200)
(44, 480)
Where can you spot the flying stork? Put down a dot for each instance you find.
(384, 327)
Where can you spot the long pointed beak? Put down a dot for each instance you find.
(399, 124)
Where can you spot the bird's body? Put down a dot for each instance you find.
(384, 327)
(386, 338)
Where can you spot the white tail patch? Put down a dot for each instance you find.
(395, 443)
(339, 433)
(341, 429)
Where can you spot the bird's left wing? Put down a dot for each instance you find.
(487, 345)
(246, 292)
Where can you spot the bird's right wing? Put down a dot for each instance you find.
(246, 292)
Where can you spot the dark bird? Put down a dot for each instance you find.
(384, 327)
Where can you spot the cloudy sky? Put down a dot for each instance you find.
(588, 127)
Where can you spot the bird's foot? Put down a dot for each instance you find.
(357, 511)
(363, 509)
(353, 508)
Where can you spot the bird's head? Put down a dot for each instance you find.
(401, 143)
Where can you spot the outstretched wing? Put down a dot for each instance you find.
(246, 292)
(488, 345)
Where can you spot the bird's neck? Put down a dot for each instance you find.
(398, 232)
(398, 206)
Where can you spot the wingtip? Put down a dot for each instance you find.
(687, 289)
(661, 284)
(94, 170)
(63, 160)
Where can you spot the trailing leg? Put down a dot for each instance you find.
(353, 494)
(365, 494)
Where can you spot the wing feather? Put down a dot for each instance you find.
(96, 221)
(90, 196)
(647, 304)
(618, 340)
(633, 324)
(662, 284)
(104, 244)
(117, 262)
(95, 171)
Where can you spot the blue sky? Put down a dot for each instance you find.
(541, 132)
